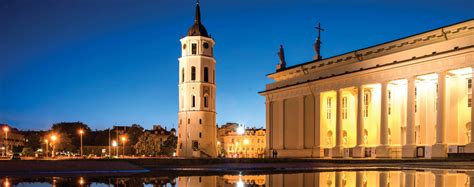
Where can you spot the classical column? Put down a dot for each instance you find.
(383, 179)
(317, 152)
(408, 150)
(439, 178)
(269, 124)
(410, 178)
(440, 148)
(470, 146)
(359, 179)
(337, 150)
(358, 151)
(382, 150)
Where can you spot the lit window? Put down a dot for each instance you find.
(416, 104)
(328, 108)
(193, 73)
(389, 103)
(366, 104)
(469, 92)
(344, 107)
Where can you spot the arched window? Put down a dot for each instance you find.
(182, 75)
(206, 74)
(193, 73)
(193, 101)
(206, 102)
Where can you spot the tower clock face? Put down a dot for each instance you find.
(206, 45)
(184, 46)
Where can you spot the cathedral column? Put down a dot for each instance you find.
(359, 150)
(337, 150)
(439, 149)
(317, 151)
(408, 150)
(439, 178)
(470, 146)
(269, 124)
(382, 151)
(383, 179)
(359, 179)
(410, 179)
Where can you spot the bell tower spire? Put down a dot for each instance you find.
(197, 18)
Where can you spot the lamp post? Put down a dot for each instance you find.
(81, 132)
(53, 140)
(47, 147)
(6, 129)
(114, 144)
(124, 139)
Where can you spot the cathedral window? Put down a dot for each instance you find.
(206, 102)
(469, 92)
(344, 107)
(366, 104)
(328, 108)
(193, 73)
(182, 75)
(389, 103)
(206, 74)
(194, 49)
(193, 104)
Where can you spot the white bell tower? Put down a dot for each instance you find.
(197, 93)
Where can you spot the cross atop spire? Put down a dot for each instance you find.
(319, 28)
(317, 44)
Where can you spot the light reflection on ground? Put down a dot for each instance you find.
(362, 178)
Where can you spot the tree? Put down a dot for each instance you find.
(148, 144)
(69, 131)
(133, 133)
(169, 146)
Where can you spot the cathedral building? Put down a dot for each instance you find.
(197, 93)
(407, 98)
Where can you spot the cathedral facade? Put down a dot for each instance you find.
(406, 98)
(197, 93)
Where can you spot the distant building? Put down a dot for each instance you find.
(249, 143)
(10, 138)
(161, 132)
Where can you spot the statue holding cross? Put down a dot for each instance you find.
(317, 44)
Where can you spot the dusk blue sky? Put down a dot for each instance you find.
(114, 62)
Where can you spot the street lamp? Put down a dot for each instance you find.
(81, 132)
(124, 139)
(6, 129)
(47, 147)
(53, 141)
(114, 144)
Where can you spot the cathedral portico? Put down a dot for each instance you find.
(417, 107)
